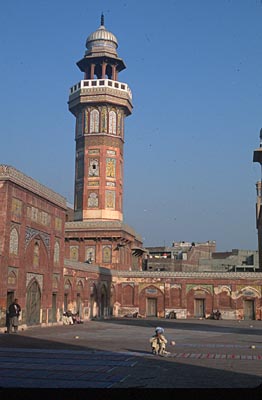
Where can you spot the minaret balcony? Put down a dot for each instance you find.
(100, 83)
(100, 91)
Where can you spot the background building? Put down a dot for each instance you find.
(199, 257)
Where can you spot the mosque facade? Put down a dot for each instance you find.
(88, 260)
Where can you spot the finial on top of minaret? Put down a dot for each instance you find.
(102, 20)
(260, 136)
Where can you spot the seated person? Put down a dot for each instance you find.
(70, 317)
(67, 318)
(158, 342)
(217, 314)
(77, 319)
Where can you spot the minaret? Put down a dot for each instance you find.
(100, 104)
(98, 234)
(257, 157)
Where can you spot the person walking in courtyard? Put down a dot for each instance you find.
(13, 314)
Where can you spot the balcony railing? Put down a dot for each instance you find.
(91, 83)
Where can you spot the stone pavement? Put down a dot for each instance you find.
(115, 354)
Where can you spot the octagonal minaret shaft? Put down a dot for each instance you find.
(100, 104)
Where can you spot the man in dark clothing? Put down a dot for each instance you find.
(13, 315)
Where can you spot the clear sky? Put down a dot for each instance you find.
(195, 71)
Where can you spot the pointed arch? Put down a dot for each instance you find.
(94, 121)
(94, 308)
(128, 295)
(33, 303)
(112, 122)
(12, 278)
(36, 253)
(56, 252)
(13, 244)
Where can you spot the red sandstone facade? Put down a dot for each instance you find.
(31, 248)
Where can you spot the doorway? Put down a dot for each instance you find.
(249, 309)
(54, 307)
(199, 308)
(151, 307)
(33, 304)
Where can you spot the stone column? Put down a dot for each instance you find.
(104, 70)
(92, 71)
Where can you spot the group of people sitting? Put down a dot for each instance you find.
(69, 318)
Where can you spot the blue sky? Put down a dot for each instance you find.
(194, 68)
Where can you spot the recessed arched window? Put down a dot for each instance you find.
(80, 286)
(36, 254)
(94, 121)
(128, 295)
(13, 246)
(112, 122)
(74, 253)
(107, 254)
(68, 285)
(11, 278)
(56, 252)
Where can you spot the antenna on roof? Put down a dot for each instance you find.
(102, 20)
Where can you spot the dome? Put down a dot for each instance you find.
(101, 37)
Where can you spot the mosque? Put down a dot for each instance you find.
(87, 259)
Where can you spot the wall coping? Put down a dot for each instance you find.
(9, 173)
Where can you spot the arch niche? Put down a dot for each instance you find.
(33, 303)
(94, 309)
(151, 302)
(104, 301)
(199, 300)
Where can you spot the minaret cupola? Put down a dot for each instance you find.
(101, 38)
(101, 60)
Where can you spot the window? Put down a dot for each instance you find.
(107, 252)
(74, 253)
(112, 122)
(56, 252)
(94, 121)
(13, 246)
(36, 254)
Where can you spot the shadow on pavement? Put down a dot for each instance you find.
(148, 373)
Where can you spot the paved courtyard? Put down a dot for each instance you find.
(114, 354)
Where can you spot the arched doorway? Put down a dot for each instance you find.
(93, 302)
(104, 305)
(151, 301)
(33, 303)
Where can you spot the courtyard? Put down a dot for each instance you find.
(115, 354)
